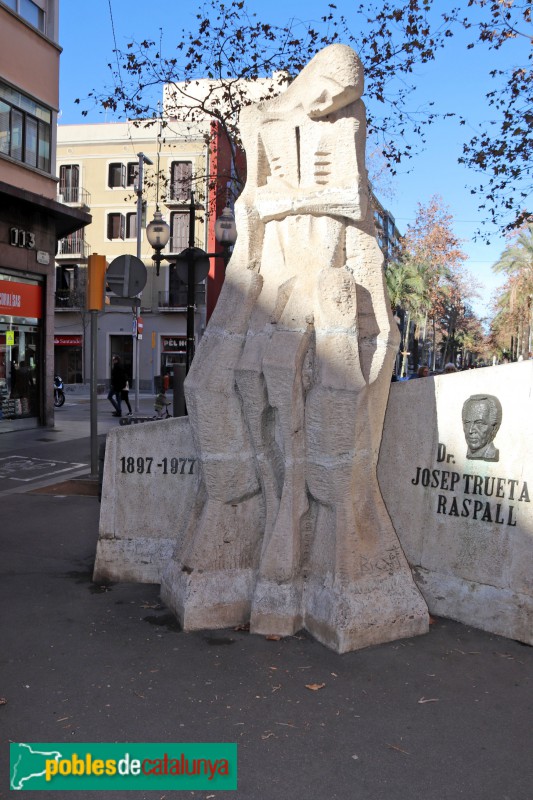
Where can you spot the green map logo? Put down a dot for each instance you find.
(27, 763)
(108, 766)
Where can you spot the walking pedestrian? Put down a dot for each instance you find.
(125, 396)
(118, 382)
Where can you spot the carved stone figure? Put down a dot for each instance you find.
(288, 389)
(482, 417)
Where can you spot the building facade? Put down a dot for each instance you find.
(31, 219)
(98, 167)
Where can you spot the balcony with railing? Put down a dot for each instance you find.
(70, 299)
(176, 300)
(74, 196)
(73, 246)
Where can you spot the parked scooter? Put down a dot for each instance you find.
(59, 394)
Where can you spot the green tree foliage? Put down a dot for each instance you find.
(514, 300)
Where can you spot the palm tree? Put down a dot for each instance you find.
(516, 262)
(407, 291)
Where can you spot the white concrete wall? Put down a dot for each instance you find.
(150, 483)
(467, 534)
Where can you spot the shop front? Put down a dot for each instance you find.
(173, 355)
(68, 357)
(21, 347)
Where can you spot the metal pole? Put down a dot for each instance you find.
(190, 289)
(136, 347)
(94, 395)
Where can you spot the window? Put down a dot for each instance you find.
(70, 286)
(116, 176)
(132, 173)
(24, 129)
(180, 181)
(31, 11)
(115, 226)
(131, 225)
(69, 182)
(179, 231)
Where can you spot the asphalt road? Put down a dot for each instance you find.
(437, 717)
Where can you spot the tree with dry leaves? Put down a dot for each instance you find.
(230, 46)
(443, 288)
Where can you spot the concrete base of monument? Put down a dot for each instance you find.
(276, 608)
(207, 600)
(150, 482)
(135, 560)
(495, 609)
(350, 617)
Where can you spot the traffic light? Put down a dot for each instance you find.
(96, 280)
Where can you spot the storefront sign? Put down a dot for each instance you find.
(21, 299)
(173, 344)
(68, 341)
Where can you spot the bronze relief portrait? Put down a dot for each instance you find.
(482, 417)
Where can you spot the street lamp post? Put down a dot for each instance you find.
(158, 234)
(142, 160)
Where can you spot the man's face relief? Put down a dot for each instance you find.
(477, 426)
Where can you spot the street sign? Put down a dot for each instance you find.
(201, 264)
(126, 276)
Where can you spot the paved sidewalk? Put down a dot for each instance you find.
(438, 717)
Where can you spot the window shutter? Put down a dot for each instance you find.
(181, 181)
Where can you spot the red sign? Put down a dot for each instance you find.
(21, 299)
(68, 341)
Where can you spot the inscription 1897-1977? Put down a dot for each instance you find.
(147, 465)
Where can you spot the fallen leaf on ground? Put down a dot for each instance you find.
(3, 701)
(245, 627)
(314, 686)
(399, 749)
(272, 637)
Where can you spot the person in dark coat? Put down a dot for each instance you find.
(118, 382)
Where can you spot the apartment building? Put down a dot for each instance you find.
(98, 168)
(31, 219)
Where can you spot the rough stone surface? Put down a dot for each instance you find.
(149, 486)
(465, 523)
(288, 388)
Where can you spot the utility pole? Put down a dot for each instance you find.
(142, 160)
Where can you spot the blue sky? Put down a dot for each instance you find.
(457, 81)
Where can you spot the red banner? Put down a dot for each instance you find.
(68, 341)
(21, 299)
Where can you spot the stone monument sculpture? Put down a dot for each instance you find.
(288, 389)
